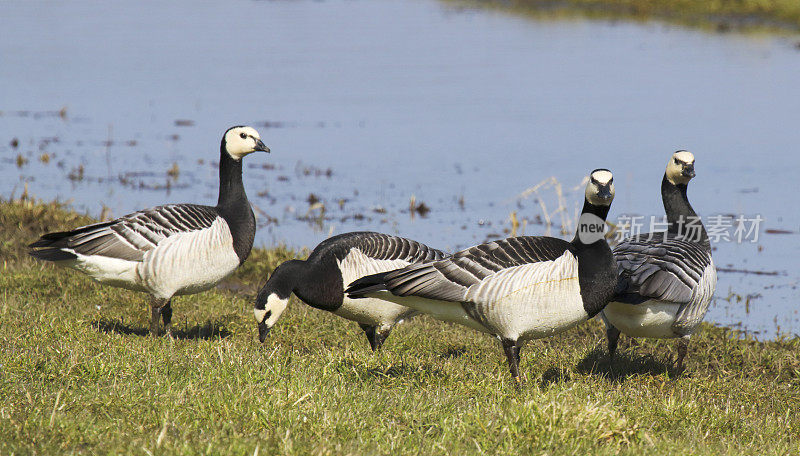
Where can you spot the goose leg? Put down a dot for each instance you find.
(375, 336)
(512, 354)
(683, 348)
(156, 304)
(612, 334)
(380, 337)
(166, 317)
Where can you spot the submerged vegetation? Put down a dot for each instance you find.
(79, 375)
(719, 15)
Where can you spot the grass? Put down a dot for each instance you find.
(782, 16)
(78, 375)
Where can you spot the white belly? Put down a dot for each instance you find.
(372, 311)
(652, 319)
(108, 271)
(540, 311)
(189, 263)
(531, 301)
(183, 263)
(441, 310)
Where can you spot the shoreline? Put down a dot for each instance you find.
(30, 217)
(774, 17)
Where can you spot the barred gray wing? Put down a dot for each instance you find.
(659, 267)
(448, 279)
(377, 246)
(128, 237)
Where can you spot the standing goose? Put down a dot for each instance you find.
(666, 280)
(171, 250)
(319, 281)
(519, 288)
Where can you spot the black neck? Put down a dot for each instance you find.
(321, 284)
(682, 219)
(318, 284)
(589, 208)
(597, 270)
(233, 206)
(282, 281)
(231, 189)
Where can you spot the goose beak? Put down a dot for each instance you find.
(260, 147)
(263, 330)
(688, 171)
(605, 192)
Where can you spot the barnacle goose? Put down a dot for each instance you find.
(666, 279)
(171, 250)
(319, 281)
(519, 288)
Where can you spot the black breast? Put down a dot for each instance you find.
(597, 276)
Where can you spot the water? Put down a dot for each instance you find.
(365, 103)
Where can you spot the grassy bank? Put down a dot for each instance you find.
(78, 375)
(719, 15)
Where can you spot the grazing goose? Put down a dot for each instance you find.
(666, 280)
(519, 288)
(319, 281)
(171, 250)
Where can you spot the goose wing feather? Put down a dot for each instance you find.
(449, 279)
(377, 246)
(659, 267)
(128, 237)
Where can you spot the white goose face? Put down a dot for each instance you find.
(269, 315)
(600, 189)
(241, 141)
(680, 168)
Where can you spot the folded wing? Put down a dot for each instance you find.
(126, 238)
(666, 268)
(449, 279)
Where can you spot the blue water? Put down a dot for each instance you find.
(365, 103)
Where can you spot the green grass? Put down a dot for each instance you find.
(782, 16)
(79, 375)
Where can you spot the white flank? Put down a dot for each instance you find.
(533, 300)
(183, 263)
(448, 311)
(524, 302)
(106, 270)
(371, 311)
(653, 319)
(191, 262)
(656, 319)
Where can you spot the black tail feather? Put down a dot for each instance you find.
(366, 285)
(52, 255)
(47, 240)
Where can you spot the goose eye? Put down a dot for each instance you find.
(243, 135)
(677, 162)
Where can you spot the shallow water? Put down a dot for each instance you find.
(365, 103)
